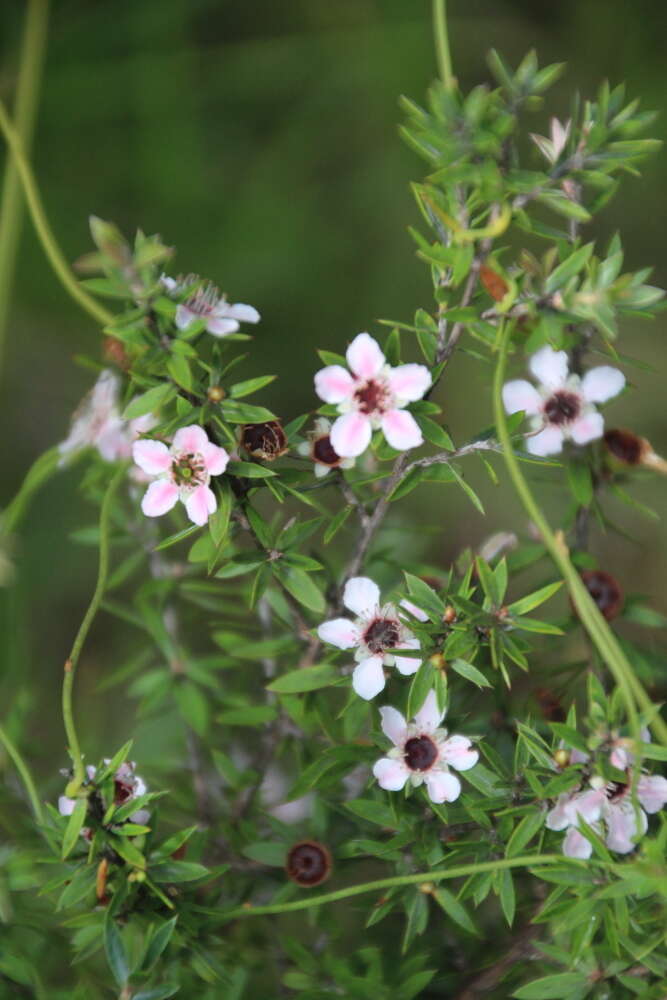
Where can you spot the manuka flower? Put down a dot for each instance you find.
(126, 786)
(97, 423)
(607, 807)
(423, 753)
(373, 396)
(375, 633)
(320, 450)
(562, 408)
(183, 473)
(205, 302)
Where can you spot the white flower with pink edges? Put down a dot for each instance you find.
(183, 473)
(562, 407)
(373, 635)
(97, 423)
(423, 753)
(206, 303)
(373, 396)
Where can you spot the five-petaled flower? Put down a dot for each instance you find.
(127, 786)
(183, 473)
(423, 753)
(375, 633)
(97, 423)
(373, 396)
(320, 450)
(205, 302)
(562, 407)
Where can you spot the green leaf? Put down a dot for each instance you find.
(177, 537)
(337, 523)
(580, 482)
(425, 597)
(250, 385)
(115, 950)
(422, 682)
(74, 825)
(468, 490)
(193, 706)
(245, 413)
(305, 679)
(554, 987)
(455, 909)
(531, 601)
(266, 853)
(157, 992)
(570, 266)
(524, 832)
(149, 401)
(470, 673)
(218, 524)
(178, 871)
(301, 586)
(158, 943)
(507, 896)
(249, 470)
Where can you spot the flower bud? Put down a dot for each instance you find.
(562, 757)
(449, 615)
(605, 591)
(114, 351)
(308, 863)
(630, 449)
(215, 394)
(438, 661)
(266, 441)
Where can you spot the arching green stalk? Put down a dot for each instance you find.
(27, 89)
(442, 43)
(84, 628)
(42, 227)
(24, 773)
(604, 639)
(41, 469)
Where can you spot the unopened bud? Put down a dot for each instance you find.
(449, 615)
(630, 449)
(427, 888)
(216, 394)
(101, 880)
(114, 351)
(438, 661)
(562, 758)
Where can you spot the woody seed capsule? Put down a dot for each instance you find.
(308, 863)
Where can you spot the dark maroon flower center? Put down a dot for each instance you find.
(382, 634)
(615, 790)
(562, 407)
(420, 753)
(189, 470)
(308, 863)
(324, 452)
(371, 396)
(122, 791)
(605, 591)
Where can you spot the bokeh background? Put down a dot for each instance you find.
(260, 139)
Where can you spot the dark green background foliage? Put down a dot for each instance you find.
(260, 140)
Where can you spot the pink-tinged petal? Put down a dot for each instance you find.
(351, 435)
(140, 817)
(221, 327)
(547, 442)
(242, 312)
(620, 757)
(393, 725)
(578, 757)
(151, 456)
(66, 805)
(442, 786)
(429, 715)
(457, 752)
(409, 382)
(603, 383)
(652, 792)
(401, 430)
(112, 441)
(549, 367)
(143, 424)
(364, 356)
(521, 395)
(339, 632)
(189, 440)
(215, 459)
(160, 497)
(587, 805)
(184, 317)
(391, 774)
(587, 428)
(361, 596)
(624, 823)
(407, 665)
(200, 503)
(368, 677)
(414, 610)
(559, 817)
(575, 845)
(333, 384)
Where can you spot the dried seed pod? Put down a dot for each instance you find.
(495, 285)
(308, 863)
(266, 441)
(605, 591)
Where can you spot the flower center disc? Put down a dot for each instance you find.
(615, 790)
(323, 451)
(370, 397)
(188, 470)
(381, 634)
(562, 407)
(420, 753)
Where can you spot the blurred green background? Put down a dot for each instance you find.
(260, 139)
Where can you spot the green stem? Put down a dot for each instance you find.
(27, 88)
(604, 639)
(41, 469)
(442, 43)
(42, 227)
(24, 773)
(84, 628)
(421, 878)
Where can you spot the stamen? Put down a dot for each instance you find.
(382, 634)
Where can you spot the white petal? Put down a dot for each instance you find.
(394, 725)
(414, 610)
(587, 428)
(333, 384)
(160, 497)
(362, 596)
(547, 442)
(339, 632)
(351, 435)
(652, 792)
(559, 817)
(588, 805)
(623, 825)
(458, 753)
(603, 383)
(549, 367)
(368, 677)
(215, 458)
(409, 382)
(401, 430)
(442, 786)
(407, 665)
(364, 356)
(199, 504)
(184, 317)
(66, 805)
(521, 395)
(242, 312)
(220, 327)
(151, 456)
(191, 439)
(391, 774)
(575, 845)
(429, 715)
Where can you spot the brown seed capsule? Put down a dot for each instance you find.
(605, 591)
(630, 449)
(495, 285)
(215, 394)
(308, 863)
(266, 441)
